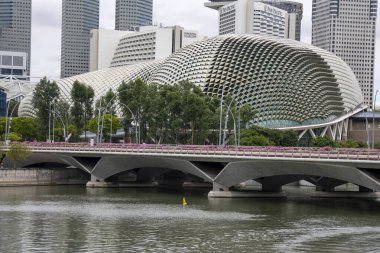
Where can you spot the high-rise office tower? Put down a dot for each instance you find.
(295, 11)
(131, 14)
(79, 17)
(348, 29)
(15, 37)
(248, 16)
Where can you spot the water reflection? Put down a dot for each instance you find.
(76, 219)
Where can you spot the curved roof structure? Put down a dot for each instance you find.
(287, 82)
(101, 81)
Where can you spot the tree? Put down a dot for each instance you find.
(322, 142)
(82, 96)
(108, 100)
(18, 152)
(255, 140)
(25, 127)
(93, 125)
(13, 136)
(289, 139)
(133, 96)
(350, 144)
(44, 95)
(13, 108)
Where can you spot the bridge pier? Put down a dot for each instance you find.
(221, 191)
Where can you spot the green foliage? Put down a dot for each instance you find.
(166, 113)
(93, 125)
(256, 140)
(350, 144)
(15, 136)
(258, 136)
(82, 96)
(25, 128)
(44, 95)
(13, 108)
(109, 100)
(18, 152)
(322, 142)
(289, 139)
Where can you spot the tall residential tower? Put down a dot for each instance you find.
(131, 14)
(79, 17)
(348, 29)
(15, 37)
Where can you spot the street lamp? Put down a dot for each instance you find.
(226, 122)
(366, 127)
(373, 121)
(56, 113)
(102, 114)
(221, 116)
(8, 125)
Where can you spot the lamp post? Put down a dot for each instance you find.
(56, 113)
(373, 120)
(134, 118)
(8, 125)
(99, 113)
(101, 125)
(366, 127)
(221, 116)
(226, 121)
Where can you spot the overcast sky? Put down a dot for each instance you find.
(191, 14)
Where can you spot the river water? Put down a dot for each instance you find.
(76, 219)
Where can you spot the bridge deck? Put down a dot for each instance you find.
(211, 151)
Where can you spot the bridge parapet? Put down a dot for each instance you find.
(211, 151)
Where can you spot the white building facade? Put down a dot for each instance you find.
(103, 45)
(348, 29)
(152, 43)
(266, 17)
(253, 17)
(14, 64)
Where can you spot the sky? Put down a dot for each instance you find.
(191, 14)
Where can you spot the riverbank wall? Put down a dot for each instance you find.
(42, 176)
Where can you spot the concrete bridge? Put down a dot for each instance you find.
(222, 167)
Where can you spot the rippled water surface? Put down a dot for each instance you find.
(76, 219)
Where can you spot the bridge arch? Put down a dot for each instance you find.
(109, 166)
(289, 171)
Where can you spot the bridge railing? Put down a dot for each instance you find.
(212, 150)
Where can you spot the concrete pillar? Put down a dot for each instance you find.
(219, 187)
(96, 179)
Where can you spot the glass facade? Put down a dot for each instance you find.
(3, 103)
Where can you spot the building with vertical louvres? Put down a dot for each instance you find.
(288, 83)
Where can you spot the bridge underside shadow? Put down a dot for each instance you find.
(224, 176)
(148, 169)
(275, 174)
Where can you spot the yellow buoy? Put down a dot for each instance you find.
(184, 201)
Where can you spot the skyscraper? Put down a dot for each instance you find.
(293, 8)
(348, 29)
(131, 14)
(79, 17)
(15, 36)
(295, 11)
